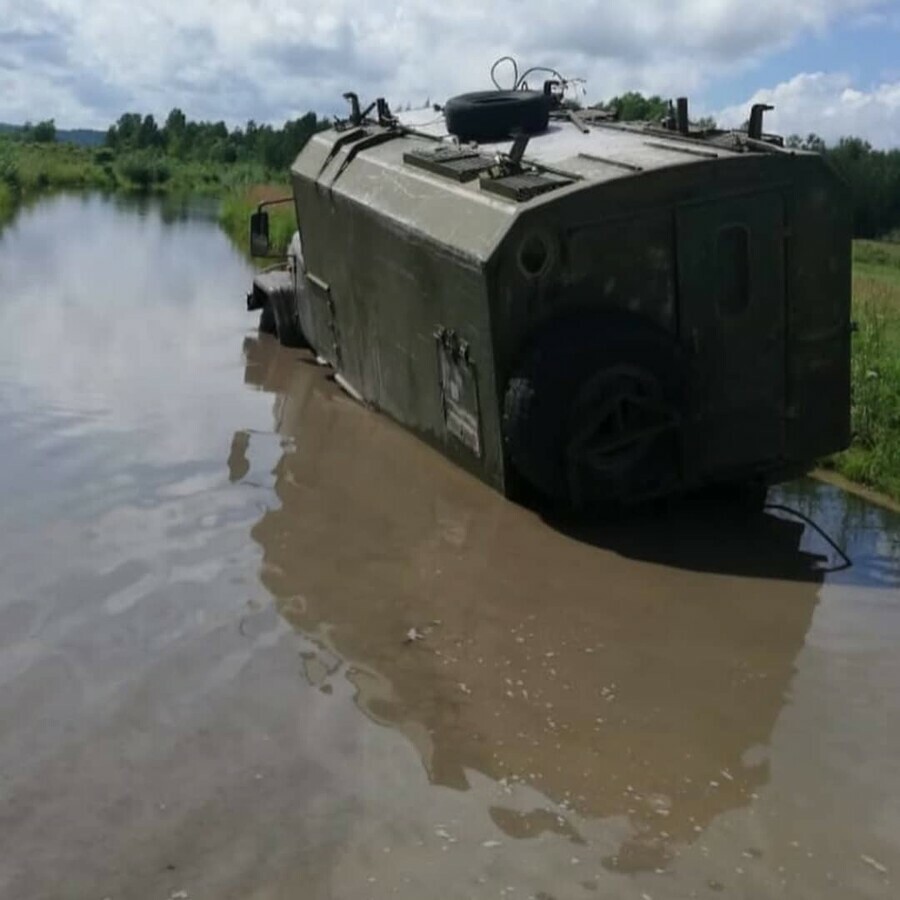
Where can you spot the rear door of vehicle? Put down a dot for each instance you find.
(732, 318)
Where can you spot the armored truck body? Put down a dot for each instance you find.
(596, 312)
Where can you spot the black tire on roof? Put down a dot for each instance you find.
(495, 115)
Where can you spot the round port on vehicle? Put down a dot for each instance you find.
(534, 255)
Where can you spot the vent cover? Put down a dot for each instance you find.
(523, 185)
(450, 162)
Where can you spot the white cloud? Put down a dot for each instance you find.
(882, 18)
(829, 105)
(84, 61)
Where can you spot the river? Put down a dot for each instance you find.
(258, 642)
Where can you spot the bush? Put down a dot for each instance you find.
(44, 132)
(143, 170)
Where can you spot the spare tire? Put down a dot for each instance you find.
(495, 115)
(592, 415)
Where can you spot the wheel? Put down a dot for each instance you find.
(284, 314)
(617, 425)
(267, 320)
(592, 416)
(495, 115)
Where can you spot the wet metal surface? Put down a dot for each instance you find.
(257, 642)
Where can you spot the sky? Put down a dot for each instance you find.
(828, 66)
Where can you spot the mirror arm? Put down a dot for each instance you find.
(260, 207)
(266, 203)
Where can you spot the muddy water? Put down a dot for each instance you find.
(257, 642)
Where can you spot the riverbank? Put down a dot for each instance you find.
(30, 169)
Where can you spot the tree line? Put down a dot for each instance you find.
(213, 142)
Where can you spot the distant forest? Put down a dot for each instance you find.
(212, 142)
(142, 141)
(144, 146)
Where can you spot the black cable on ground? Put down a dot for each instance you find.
(817, 528)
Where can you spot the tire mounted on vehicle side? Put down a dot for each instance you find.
(592, 415)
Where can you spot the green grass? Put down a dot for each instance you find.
(213, 178)
(874, 455)
(240, 202)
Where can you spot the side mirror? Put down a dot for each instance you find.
(259, 234)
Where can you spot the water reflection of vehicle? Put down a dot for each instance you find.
(638, 677)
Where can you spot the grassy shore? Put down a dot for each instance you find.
(29, 169)
(873, 458)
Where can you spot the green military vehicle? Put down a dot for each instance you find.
(572, 307)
